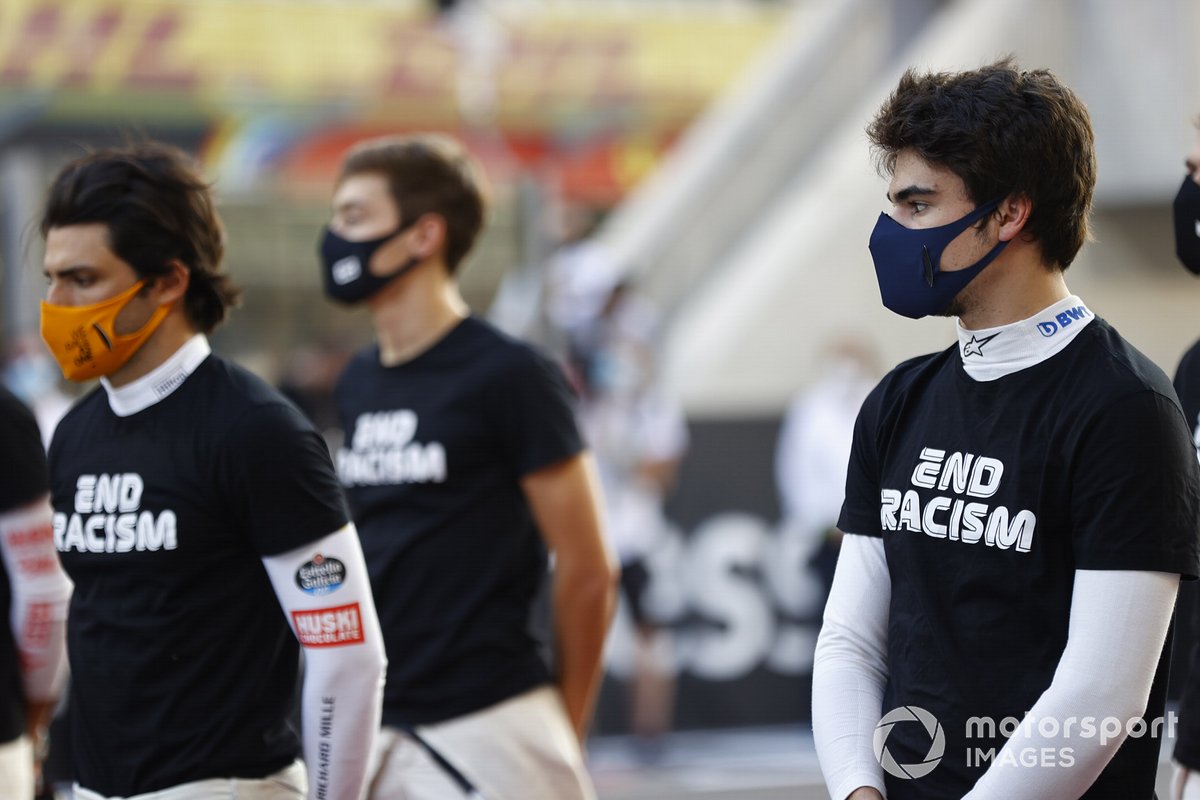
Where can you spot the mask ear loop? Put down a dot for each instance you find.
(927, 262)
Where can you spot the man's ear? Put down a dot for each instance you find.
(429, 235)
(170, 286)
(1013, 214)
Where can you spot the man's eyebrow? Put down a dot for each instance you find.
(68, 272)
(909, 191)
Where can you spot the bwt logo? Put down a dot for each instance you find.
(937, 745)
(1062, 320)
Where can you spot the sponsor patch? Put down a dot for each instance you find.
(329, 627)
(321, 576)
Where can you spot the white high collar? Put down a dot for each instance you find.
(995, 352)
(140, 394)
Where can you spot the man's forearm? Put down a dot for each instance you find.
(583, 608)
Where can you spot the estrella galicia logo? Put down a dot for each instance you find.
(321, 576)
(1047, 328)
(937, 745)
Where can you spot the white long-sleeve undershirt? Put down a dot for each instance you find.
(41, 592)
(1118, 624)
(850, 668)
(343, 682)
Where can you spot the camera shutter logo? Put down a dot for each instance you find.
(937, 746)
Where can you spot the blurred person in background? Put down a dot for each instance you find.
(1019, 507)
(580, 276)
(814, 447)
(34, 591)
(1186, 213)
(310, 373)
(198, 514)
(464, 466)
(32, 376)
(639, 436)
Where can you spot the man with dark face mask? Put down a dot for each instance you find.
(1020, 507)
(1186, 213)
(464, 469)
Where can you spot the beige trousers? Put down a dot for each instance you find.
(290, 783)
(520, 749)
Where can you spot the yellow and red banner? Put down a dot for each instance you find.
(539, 65)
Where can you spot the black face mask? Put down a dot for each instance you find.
(1187, 225)
(345, 266)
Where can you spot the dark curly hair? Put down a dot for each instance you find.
(427, 174)
(157, 209)
(1003, 131)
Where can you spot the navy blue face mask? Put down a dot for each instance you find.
(1186, 212)
(907, 263)
(344, 265)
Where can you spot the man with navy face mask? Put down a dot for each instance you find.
(1186, 213)
(1020, 507)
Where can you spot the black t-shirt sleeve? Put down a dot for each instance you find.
(535, 417)
(1135, 489)
(281, 481)
(860, 509)
(24, 475)
(1187, 386)
(1187, 742)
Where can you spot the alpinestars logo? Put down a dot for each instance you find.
(382, 451)
(937, 742)
(957, 515)
(975, 346)
(109, 518)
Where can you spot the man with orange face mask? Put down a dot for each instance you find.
(198, 514)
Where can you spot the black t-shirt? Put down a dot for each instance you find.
(24, 477)
(183, 666)
(435, 451)
(1187, 743)
(23, 471)
(988, 496)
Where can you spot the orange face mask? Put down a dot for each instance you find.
(84, 341)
